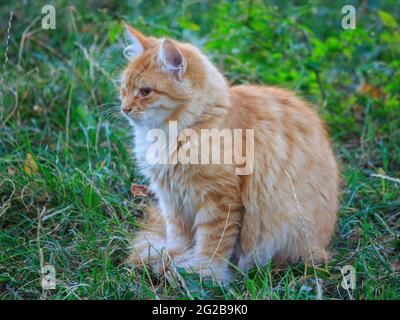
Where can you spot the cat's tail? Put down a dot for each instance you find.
(150, 241)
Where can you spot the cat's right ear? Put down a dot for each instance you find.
(172, 58)
(135, 43)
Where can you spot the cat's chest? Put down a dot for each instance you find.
(156, 158)
(173, 184)
(176, 190)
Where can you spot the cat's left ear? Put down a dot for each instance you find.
(172, 58)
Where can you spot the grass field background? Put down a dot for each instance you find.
(66, 169)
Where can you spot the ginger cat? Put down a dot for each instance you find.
(209, 217)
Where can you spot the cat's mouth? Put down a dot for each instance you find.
(138, 117)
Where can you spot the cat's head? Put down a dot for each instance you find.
(167, 81)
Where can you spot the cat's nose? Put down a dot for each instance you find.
(126, 109)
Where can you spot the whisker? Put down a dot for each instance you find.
(119, 119)
(105, 104)
(109, 112)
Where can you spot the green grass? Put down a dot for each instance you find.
(71, 202)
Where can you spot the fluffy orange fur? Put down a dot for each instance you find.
(207, 216)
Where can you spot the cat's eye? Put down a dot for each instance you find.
(144, 92)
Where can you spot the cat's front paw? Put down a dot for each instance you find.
(153, 254)
(204, 266)
(141, 256)
(147, 249)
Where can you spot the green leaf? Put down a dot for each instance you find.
(114, 32)
(387, 19)
(188, 25)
